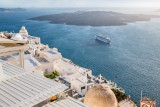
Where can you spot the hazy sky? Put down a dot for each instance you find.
(80, 3)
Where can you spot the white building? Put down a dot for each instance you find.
(24, 36)
(32, 64)
(17, 36)
(51, 54)
(23, 31)
(81, 84)
(66, 67)
(75, 75)
(2, 35)
(46, 65)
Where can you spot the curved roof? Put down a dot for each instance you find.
(99, 96)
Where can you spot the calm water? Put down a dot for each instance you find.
(132, 60)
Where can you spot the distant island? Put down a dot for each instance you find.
(11, 9)
(94, 18)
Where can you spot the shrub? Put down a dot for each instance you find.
(52, 75)
(119, 95)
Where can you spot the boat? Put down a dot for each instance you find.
(103, 39)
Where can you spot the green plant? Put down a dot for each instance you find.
(52, 75)
(119, 95)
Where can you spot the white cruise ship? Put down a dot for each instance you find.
(103, 39)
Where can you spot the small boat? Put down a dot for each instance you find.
(103, 39)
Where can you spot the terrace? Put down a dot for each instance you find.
(51, 54)
(21, 88)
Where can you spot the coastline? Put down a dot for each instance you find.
(44, 60)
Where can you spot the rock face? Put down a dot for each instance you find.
(99, 96)
(94, 18)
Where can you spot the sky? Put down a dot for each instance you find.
(79, 3)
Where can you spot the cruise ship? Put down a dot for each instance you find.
(103, 39)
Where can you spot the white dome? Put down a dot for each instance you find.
(99, 96)
(23, 31)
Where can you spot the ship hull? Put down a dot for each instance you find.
(108, 41)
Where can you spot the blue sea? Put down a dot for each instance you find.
(132, 60)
